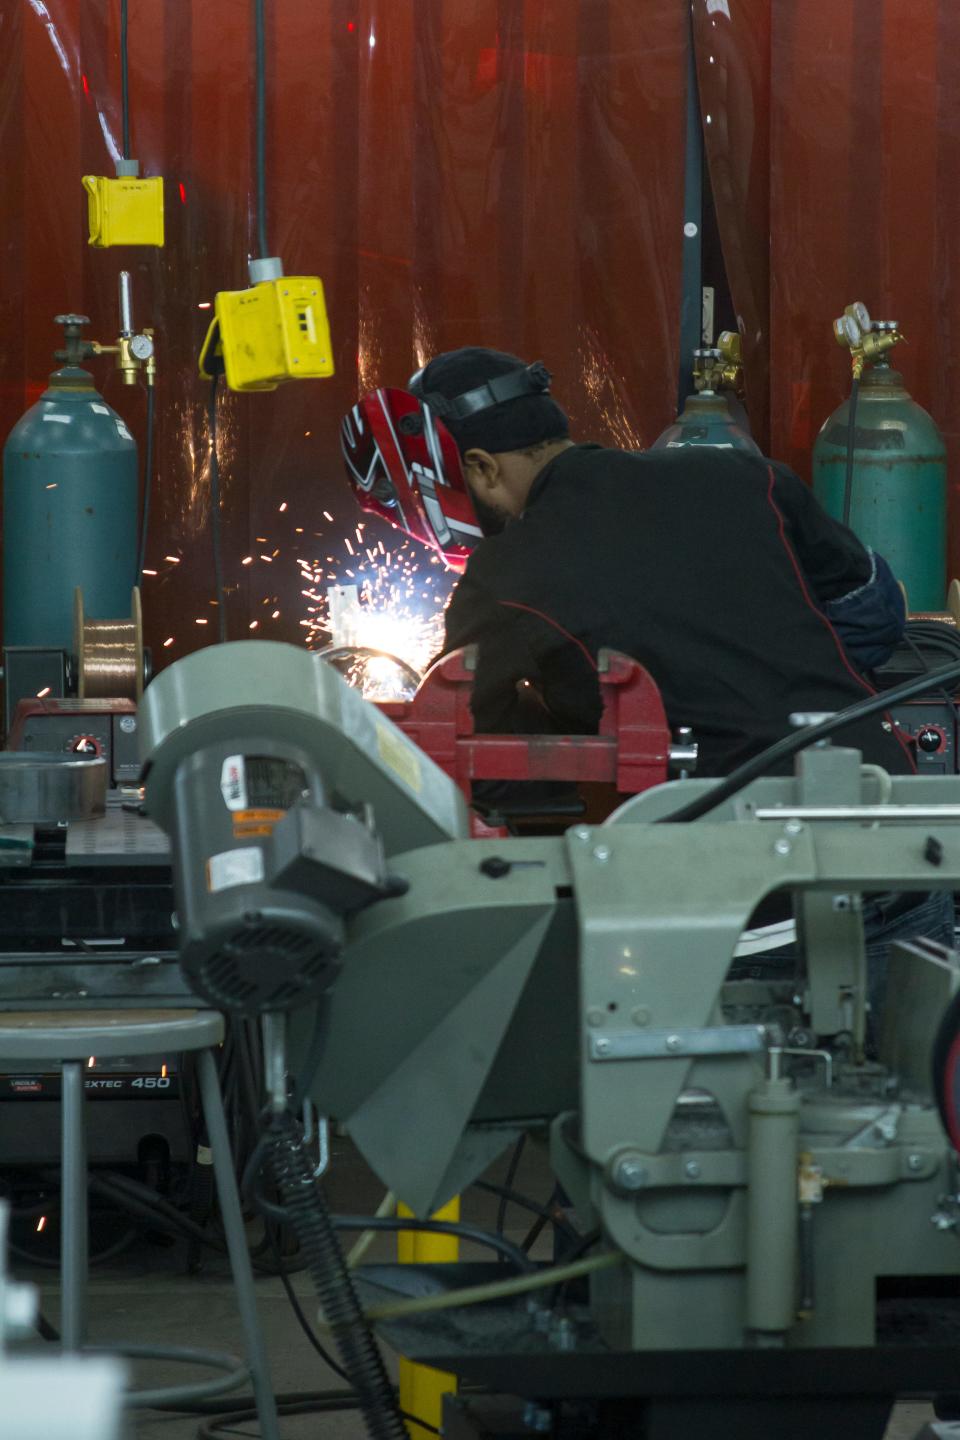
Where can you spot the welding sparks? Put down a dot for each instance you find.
(385, 608)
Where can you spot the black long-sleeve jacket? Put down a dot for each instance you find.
(713, 568)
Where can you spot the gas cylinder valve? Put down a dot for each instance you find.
(869, 341)
(720, 367)
(134, 351)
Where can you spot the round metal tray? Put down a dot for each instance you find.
(43, 789)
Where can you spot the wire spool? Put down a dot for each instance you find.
(950, 616)
(108, 653)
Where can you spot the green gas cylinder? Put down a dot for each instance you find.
(70, 504)
(706, 420)
(898, 499)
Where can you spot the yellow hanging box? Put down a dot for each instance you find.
(124, 211)
(276, 330)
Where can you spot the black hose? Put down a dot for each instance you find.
(227, 1423)
(216, 535)
(509, 1179)
(524, 1202)
(124, 80)
(799, 740)
(297, 1309)
(311, 1221)
(851, 441)
(261, 126)
(217, 1429)
(473, 1233)
(388, 1223)
(147, 486)
(43, 1262)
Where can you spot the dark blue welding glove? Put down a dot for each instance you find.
(871, 619)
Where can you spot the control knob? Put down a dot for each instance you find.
(84, 745)
(930, 738)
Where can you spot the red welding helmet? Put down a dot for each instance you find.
(405, 467)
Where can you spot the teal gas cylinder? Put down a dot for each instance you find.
(706, 420)
(899, 493)
(70, 509)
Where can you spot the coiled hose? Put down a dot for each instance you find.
(309, 1217)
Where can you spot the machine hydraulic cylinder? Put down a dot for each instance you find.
(772, 1210)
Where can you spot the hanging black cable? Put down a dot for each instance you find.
(306, 1206)
(851, 441)
(774, 755)
(261, 126)
(216, 534)
(147, 486)
(124, 80)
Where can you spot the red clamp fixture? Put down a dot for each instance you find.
(633, 750)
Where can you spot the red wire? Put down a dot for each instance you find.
(515, 605)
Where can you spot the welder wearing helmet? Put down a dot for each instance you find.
(718, 570)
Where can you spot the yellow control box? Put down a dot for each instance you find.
(126, 211)
(275, 331)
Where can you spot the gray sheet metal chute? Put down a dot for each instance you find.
(284, 793)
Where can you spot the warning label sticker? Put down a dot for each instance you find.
(247, 823)
(235, 867)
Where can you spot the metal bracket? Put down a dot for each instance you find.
(658, 1044)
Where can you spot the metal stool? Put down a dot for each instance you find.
(66, 1039)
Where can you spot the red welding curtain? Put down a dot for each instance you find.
(834, 148)
(503, 172)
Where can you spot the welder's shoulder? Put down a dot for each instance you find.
(684, 467)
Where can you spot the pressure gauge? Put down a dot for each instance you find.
(847, 331)
(141, 347)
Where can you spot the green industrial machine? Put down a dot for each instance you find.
(710, 414)
(754, 1184)
(886, 476)
(71, 494)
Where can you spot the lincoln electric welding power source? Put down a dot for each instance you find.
(124, 211)
(276, 330)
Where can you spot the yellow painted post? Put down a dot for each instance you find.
(421, 1388)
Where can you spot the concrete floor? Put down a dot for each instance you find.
(145, 1297)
